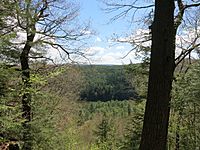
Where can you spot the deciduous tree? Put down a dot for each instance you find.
(40, 25)
(168, 16)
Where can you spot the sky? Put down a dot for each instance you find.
(102, 50)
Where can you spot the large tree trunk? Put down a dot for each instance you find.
(155, 127)
(26, 97)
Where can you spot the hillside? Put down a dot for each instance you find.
(103, 82)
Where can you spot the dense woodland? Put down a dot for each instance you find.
(72, 106)
(64, 119)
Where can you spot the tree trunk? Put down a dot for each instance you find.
(156, 118)
(26, 98)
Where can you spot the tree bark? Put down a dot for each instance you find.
(162, 64)
(26, 97)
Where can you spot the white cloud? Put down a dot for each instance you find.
(120, 47)
(86, 32)
(114, 54)
(98, 39)
(114, 58)
(186, 40)
(94, 50)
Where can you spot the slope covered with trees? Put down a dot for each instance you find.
(106, 83)
(67, 122)
(67, 106)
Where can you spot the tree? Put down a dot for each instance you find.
(184, 121)
(44, 24)
(154, 134)
(7, 52)
(131, 140)
(103, 131)
(10, 119)
(106, 83)
(162, 65)
(138, 76)
(104, 134)
(10, 114)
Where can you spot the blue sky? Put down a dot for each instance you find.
(92, 10)
(102, 50)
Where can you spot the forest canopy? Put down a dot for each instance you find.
(69, 105)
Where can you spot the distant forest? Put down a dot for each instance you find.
(49, 103)
(104, 83)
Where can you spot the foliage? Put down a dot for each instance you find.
(138, 76)
(67, 81)
(7, 50)
(185, 124)
(111, 108)
(53, 124)
(64, 122)
(106, 83)
(104, 132)
(10, 114)
(132, 134)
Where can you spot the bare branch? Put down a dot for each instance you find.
(42, 57)
(179, 17)
(185, 53)
(182, 8)
(51, 22)
(192, 5)
(123, 8)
